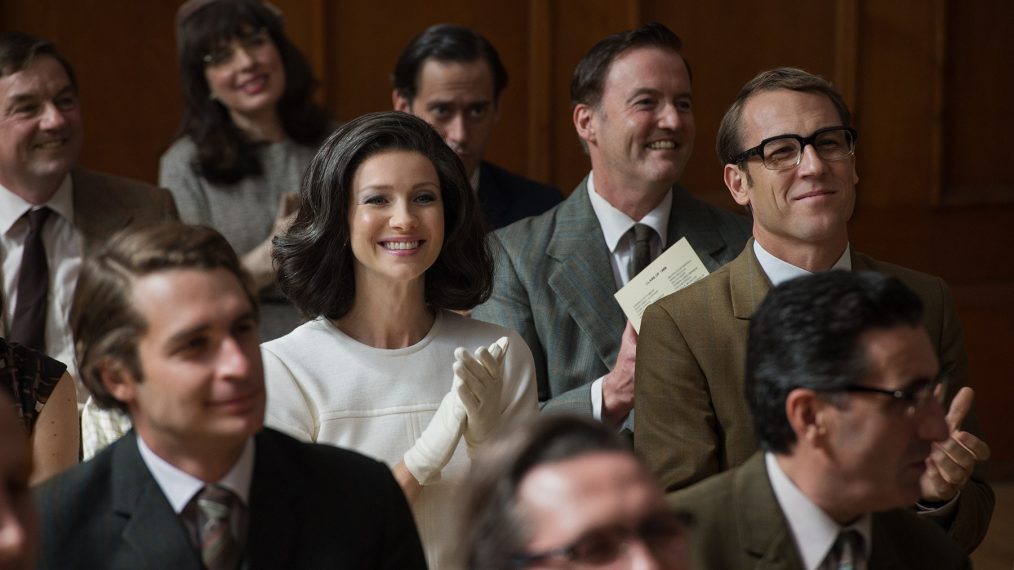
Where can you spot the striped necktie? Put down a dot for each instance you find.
(642, 249)
(219, 548)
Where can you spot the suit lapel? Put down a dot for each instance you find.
(762, 528)
(583, 281)
(153, 532)
(748, 285)
(690, 219)
(273, 503)
(884, 553)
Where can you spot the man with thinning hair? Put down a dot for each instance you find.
(165, 326)
(788, 146)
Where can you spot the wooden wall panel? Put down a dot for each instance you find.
(366, 39)
(926, 80)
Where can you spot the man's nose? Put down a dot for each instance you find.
(456, 130)
(810, 162)
(14, 536)
(52, 118)
(232, 360)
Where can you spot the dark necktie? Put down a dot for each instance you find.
(847, 550)
(219, 548)
(642, 249)
(29, 325)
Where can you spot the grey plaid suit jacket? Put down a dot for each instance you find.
(311, 506)
(739, 524)
(554, 285)
(692, 420)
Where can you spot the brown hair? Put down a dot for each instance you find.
(729, 143)
(103, 318)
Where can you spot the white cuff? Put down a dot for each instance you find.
(596, 398)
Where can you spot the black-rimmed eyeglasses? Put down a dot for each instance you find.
(914, 398)
(250, 43)
(786, 151)
(661, 532)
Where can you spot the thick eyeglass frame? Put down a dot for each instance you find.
(249, 43)
(679, 521)
(851, 136)
(915, 397)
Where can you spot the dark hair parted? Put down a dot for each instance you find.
(445, 43)
(729, 139)
(314, 258)
(493, 530)
(104, 321)
(806, 334)
(18, 50)
(225, 155)
(590, 74)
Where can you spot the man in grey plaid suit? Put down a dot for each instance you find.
(556, 273)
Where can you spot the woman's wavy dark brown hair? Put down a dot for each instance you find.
(224, 154)
(314, 258)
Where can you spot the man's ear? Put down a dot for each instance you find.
(400, 102)
(806, 414)
(118, 381)
(583, 123)
(735, 181)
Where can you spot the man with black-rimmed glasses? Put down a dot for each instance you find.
(841, 382)
(788, 145)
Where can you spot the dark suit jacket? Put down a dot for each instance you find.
(505, 197)
(554, 285)
(739, 524)
(692, 419)
(311, 506)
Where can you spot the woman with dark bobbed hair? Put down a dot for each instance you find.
(386, 244)
(249, 129)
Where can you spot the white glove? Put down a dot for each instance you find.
(481, 384)
(431, 452)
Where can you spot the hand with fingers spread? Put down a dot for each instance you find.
(434, 448)
(480, 388)
(952, 461)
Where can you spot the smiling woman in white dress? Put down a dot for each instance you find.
(386, 244)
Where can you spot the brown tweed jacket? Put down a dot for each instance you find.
(692, 419)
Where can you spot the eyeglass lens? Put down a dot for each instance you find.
(785, 152)
(659, 532)
(224, 54)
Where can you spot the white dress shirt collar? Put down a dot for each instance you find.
(615, 224)
(813, 530)
(179, 487)
(779, 271)
(12, 206)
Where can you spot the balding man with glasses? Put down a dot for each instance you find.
(788, 149)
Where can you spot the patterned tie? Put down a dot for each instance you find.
(219, 548)
(29, 324)
(642, 249)
(847, 550)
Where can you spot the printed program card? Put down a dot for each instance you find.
(676, 268)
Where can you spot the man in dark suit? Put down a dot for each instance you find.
(165, 324)
(40, 141)
(452, 77)
(842, 386)
(788, 148)
(556, 273)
